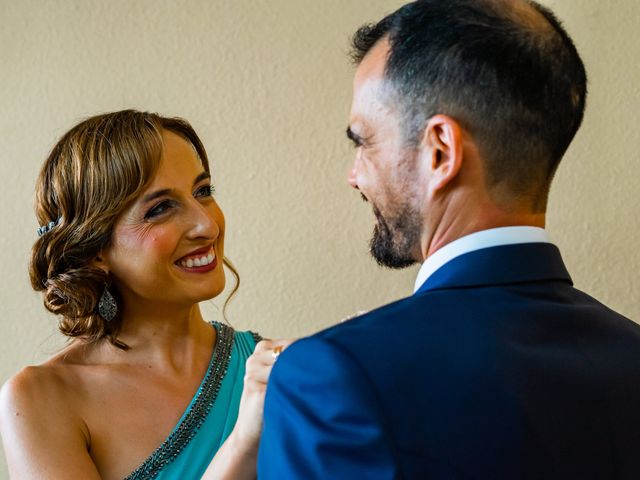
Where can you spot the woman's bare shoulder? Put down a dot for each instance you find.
(41, 428)
(42, 393)
(34, 389)
(51, 375)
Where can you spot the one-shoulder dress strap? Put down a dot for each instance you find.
(197, 411)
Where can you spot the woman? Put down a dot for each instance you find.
(132, 240)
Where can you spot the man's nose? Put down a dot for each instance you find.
(352, 177)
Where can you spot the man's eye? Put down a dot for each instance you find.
(206, 191)
(159, 209)
(359, 141)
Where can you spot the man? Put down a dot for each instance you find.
(496, 367)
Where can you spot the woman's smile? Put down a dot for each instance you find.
(199, 261)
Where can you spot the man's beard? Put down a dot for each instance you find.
(394, 240)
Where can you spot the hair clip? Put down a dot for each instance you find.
(50, 226)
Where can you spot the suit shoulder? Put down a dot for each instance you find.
(323, 356)
(310, 347)
(366, 320)
(400, 316)
(607, 312)
(320, 364)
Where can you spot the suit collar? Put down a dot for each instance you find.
(519, 263)
(492, 237)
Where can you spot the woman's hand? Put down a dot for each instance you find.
(258, 367)
(237, 457)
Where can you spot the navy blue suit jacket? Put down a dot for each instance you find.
(497, 368)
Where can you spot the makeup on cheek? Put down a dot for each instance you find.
(148, 240)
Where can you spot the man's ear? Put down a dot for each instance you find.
(442, 147)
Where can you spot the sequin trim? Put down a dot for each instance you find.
(256, 337)
(205, 398)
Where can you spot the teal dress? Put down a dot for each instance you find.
(209, 418)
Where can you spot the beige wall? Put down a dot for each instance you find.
(267, 85)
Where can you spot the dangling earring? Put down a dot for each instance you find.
(107, 306)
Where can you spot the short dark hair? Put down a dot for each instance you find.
(506, 70)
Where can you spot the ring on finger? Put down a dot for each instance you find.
(276, 353)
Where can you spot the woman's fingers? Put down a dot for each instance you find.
(258, 368)
(268, 350)
(264, 356)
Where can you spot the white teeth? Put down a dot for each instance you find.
(199, 262)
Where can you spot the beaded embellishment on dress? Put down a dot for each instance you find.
(205, 398)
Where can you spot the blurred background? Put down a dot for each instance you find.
(267, 86)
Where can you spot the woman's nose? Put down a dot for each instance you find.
(202, 222)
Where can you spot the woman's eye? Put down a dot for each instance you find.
(158, 209)
(206, 191)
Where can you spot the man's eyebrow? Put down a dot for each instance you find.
(167, 191)
(354, 137)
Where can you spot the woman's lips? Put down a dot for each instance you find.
(201, 260)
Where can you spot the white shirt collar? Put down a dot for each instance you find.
(493, 237)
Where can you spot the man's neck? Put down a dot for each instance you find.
(493, 237)
(477, 219)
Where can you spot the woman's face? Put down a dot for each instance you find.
(168, 246)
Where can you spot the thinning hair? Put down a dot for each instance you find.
(506, 70)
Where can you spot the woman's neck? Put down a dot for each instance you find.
(173, 338)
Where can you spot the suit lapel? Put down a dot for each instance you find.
(507, 264)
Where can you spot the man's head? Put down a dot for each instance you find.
(498, 79)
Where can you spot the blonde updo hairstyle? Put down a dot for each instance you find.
(91, 176)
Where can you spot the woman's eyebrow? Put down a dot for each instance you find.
(167, 191)
(202, 176)
(158, 193)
